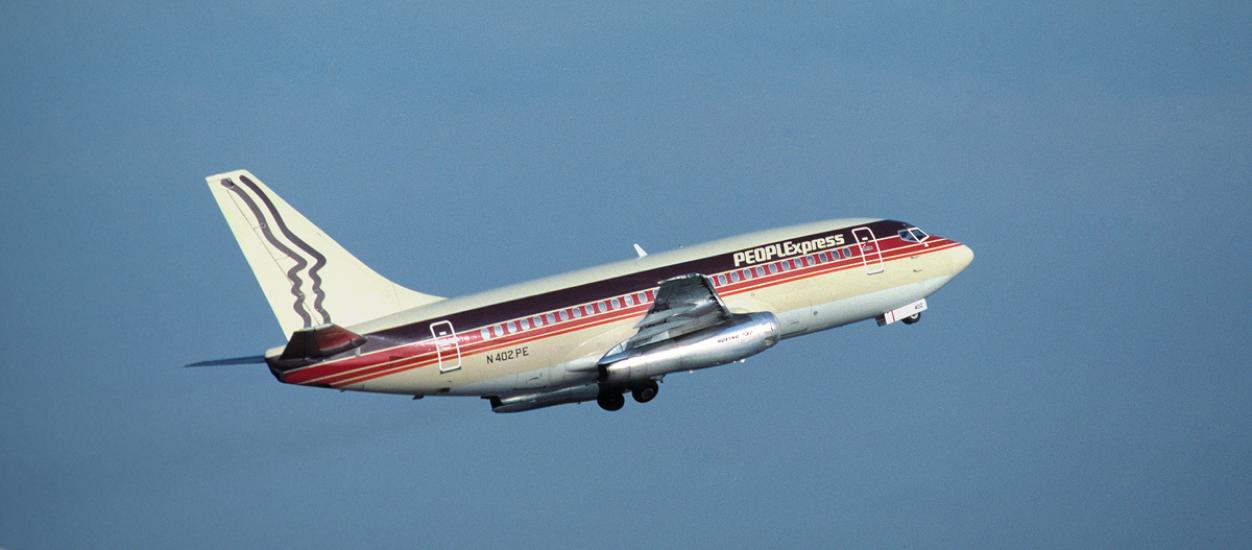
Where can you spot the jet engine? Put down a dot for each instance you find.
(743, 336)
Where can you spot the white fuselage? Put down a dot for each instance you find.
(549, 334)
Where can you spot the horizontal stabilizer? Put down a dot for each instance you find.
(321, 341)
(248, 360)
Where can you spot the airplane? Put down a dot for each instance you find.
(592, 334)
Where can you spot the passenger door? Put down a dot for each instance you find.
(447, 346)
(867, 246)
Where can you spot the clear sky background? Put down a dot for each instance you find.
(1085, 383)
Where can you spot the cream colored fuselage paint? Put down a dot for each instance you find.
(854, 292)
(350, 328)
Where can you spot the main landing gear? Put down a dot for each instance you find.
(613, 399)
(912, 318)
(646, 392)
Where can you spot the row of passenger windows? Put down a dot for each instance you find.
(783, 266)
(912, 234)
(567, 314)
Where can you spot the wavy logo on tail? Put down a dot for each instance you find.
(301, 262)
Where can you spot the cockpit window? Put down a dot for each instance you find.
(913, 234)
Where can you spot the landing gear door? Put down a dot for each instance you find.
(447, 347)
(867, 245)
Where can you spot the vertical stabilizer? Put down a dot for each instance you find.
(308, 279)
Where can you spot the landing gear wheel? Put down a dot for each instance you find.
(611, 400)
(912, 318)
(646, 392)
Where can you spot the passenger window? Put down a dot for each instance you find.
(734, 276)
(484, 334)
(578, 312)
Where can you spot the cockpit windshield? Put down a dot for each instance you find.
(913, 234)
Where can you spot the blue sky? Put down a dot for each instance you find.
(1084, 384)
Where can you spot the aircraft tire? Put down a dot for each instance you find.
(912, 318)
(611, 400)
(646, 392)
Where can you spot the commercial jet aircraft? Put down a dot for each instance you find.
(595, 334)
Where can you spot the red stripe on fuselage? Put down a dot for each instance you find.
(352, 370)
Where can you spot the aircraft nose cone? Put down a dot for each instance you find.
(961, 257)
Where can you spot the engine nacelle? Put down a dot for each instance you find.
(539, 400)
(746, 335)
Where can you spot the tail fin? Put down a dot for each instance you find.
(307, 277)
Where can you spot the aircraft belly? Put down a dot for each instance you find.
(867, 306)
(856, 296)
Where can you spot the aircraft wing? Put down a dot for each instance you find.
(683, 305)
